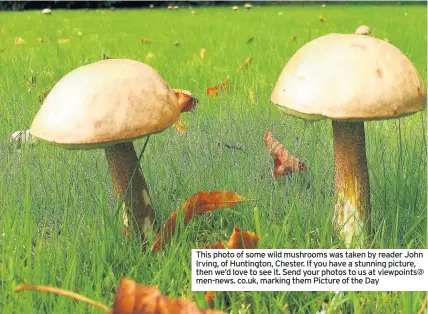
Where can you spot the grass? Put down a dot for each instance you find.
(58, 224)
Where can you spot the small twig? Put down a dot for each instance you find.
(66, 293)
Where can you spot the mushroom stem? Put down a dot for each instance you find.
(137, 207)
(352, 209)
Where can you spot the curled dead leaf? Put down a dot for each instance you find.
(214, 91)
(284, 162)
(238, 240)
(196, 205)
(41, 40)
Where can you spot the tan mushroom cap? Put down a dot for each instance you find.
(107, 102)
(349, 77)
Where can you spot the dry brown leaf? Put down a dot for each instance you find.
(246, 64)
(238, 240)
(185, 99)
(196, 205)
(30, 82)
(132, 298)
(63, 41)
(19, 41)
(284, 162)
(146, 41)
(214, 91)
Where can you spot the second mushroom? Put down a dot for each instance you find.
(350, 79)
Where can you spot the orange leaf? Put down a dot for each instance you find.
(214, 91)
(238, 240)
(284, 162)
(196, 205)
(185, 99)
(180, 127)
(133, 298)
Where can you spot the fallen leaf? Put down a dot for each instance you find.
(321, 19)
(214, 91)
(180, 127)
(19, 41)
(63, 41)
(293, 38)
(149, 56)
(146, 41)
(176, 43)
(196, 205)
(238, 240)
(132, 298)
(250, 40)
(30, 82)
(43, 95)
(41, 40)
(252, 97)
(284, 163)
(202, 53)
(185, 99)
(247, 62)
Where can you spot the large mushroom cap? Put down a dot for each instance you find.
(349, 77)
(104, 103)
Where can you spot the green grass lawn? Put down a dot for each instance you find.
(58, 220)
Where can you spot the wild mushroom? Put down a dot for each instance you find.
(363, 30)
(248, 6)
(350, 79)
(235, 7)
(47, 11)
(108, 104)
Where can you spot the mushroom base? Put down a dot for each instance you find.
(137, 206)
(352, 209)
